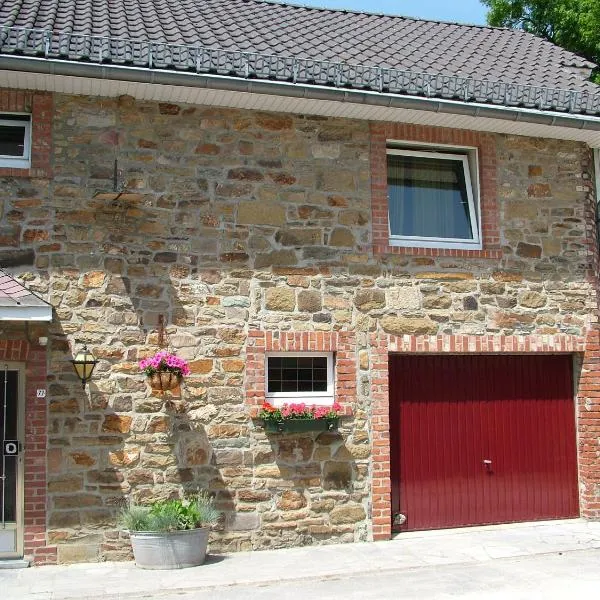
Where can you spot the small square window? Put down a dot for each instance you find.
(306, 377)
(15, 141)
(432, 202)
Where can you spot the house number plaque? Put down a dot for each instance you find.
(11, 447)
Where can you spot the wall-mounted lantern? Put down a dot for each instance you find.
(84, 363)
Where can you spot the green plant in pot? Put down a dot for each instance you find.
(170, 534)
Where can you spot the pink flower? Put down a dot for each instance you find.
(164, 361)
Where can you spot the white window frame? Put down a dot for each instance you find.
(468, 157)
(278, 399)
(18, 162)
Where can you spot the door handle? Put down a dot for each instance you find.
(487, 461)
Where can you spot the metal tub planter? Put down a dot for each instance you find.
(172, 550)
(170, 534)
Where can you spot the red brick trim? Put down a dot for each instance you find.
(588, 425)
(41, 107)
(260, 342)
(381, 345)
(486, 147)
(35, 458)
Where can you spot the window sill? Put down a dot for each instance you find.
(486, 253)
(21, 172)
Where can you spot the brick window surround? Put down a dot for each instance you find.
(342, 343)
(40, 106)
(382, 133)
(35, 457)
(588, 404)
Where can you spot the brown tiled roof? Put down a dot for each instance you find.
(291, 32)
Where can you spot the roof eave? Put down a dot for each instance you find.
(26, 313)
(44, 66)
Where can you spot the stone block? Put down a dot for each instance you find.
(67, 483)
(117, 423)
(529, 250)
(78, 553)
(276, 258)
(124, 458)
(341, 237)
(337, 475)
(260, 213)
(409, 325)
(309, 301)
(201, 366)
(245, 174)
(291, 500)
(347, 513)
(94, 279)
(404, 298)
(295, 450)
(242, 521)
(437, 301)
(531, 299)
(280, 299)
(369, 299)
(297, 237)
(539, 190)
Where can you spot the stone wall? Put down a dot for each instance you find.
(235, 222)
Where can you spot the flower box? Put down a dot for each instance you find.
(300, 425)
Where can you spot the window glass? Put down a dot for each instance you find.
(12, 140)
(428, 198)
(15, 141)
(297, 374)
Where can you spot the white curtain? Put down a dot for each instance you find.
(428, 198)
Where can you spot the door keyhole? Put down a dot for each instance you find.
(488, 465)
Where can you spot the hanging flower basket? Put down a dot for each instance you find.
(164, 380)
(164, 370)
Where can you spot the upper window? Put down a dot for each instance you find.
(432, 201)
(15, 141)
(305, 377)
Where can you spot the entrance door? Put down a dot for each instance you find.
(11, 497)
(482, 439)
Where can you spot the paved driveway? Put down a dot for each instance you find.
(466, 561)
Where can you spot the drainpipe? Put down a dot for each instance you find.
(597, 191)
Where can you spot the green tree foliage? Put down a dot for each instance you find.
(572, 24)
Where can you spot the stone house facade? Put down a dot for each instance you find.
(249, 232)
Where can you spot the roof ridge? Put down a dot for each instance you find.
(376, 14)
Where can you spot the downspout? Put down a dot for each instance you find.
(597, 192)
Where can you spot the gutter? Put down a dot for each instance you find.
(48, 66)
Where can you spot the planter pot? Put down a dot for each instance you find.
(164, 380)
(173, 550)
(300, 425)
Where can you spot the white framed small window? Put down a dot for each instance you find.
(300, 377)
(15, 141)
(433, 199)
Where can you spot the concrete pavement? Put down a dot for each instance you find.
(474, 552)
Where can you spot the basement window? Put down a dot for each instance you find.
(15, 141)
(433, 201)
(304, 377)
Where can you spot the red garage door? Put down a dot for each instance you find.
(482, 439)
